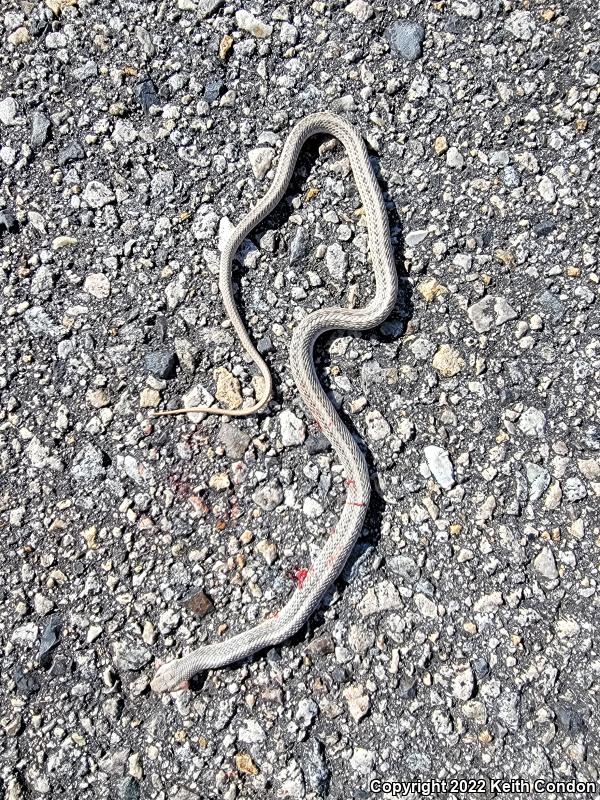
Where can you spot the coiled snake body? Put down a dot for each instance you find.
(332, 557)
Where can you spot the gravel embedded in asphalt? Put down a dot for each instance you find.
(461, 638)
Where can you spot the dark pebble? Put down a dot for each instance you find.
(8, 221)
(129, 789)
(406, 39)
(27, 684)
(407, 688)
(198, 603)
(481, 668)
(72, 152)
(49, 640)
(298, 246)
(339, 675)
(146, 93)
(161, 363)
(569, 719)
(320, 646)
(213, 89)
(264, 345)
(40, 129)
(544, 228)
(317, 443)
(315, 769)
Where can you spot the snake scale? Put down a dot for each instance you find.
(337, 547)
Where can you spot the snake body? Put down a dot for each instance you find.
(334, 553)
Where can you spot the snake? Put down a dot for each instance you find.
(330, 560)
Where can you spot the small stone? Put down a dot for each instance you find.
(545, 565)
(544, 228)
(149, 398)
(236, 441)
(438, 461)
(574, 490)
(39, 130)
(440, 145)
(490, 310)
(426, 606)
(268, 497)
(454, 158)
(362, 760)
(539, 479)
(147, 96)
(129, 656)
(60, 242)
(268, 550)
(98, 285)
(320, 646)
(467, 8)
(589, 468)
(312, 508)
(293, 429)
(198, 603)
(212, 91)
(521, 25)
(97, 194)
(162, 183)
(317, 443)
(532, 422)
(298, 245)
(244, 762)
(382, 597)
(128, 789)
(414, 238)
(261, 159)
(463, 683)
(251, 24)
(336, 261)
(49, 640)
(88, 464)
(19, 36)
(475, 710)
(488, 603)
(448, 361)
(378, 428)
(225, 46)
(8, 155)
(306, 712)
(8, 111)
(98, 398)
(358, 701)
(56, 40)
(161, 364)
(288, 34)
(72, 152)
(205, 9)
(228, 389)
(406, 39)
(546, 190)
(219, 481)
(359, 9)
(429, 289)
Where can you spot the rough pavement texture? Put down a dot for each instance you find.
(463, 636)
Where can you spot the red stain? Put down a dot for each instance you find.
(300, 576)
(352, 503)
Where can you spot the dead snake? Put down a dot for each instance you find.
(334, 553)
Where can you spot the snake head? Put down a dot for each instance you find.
(166, 680)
